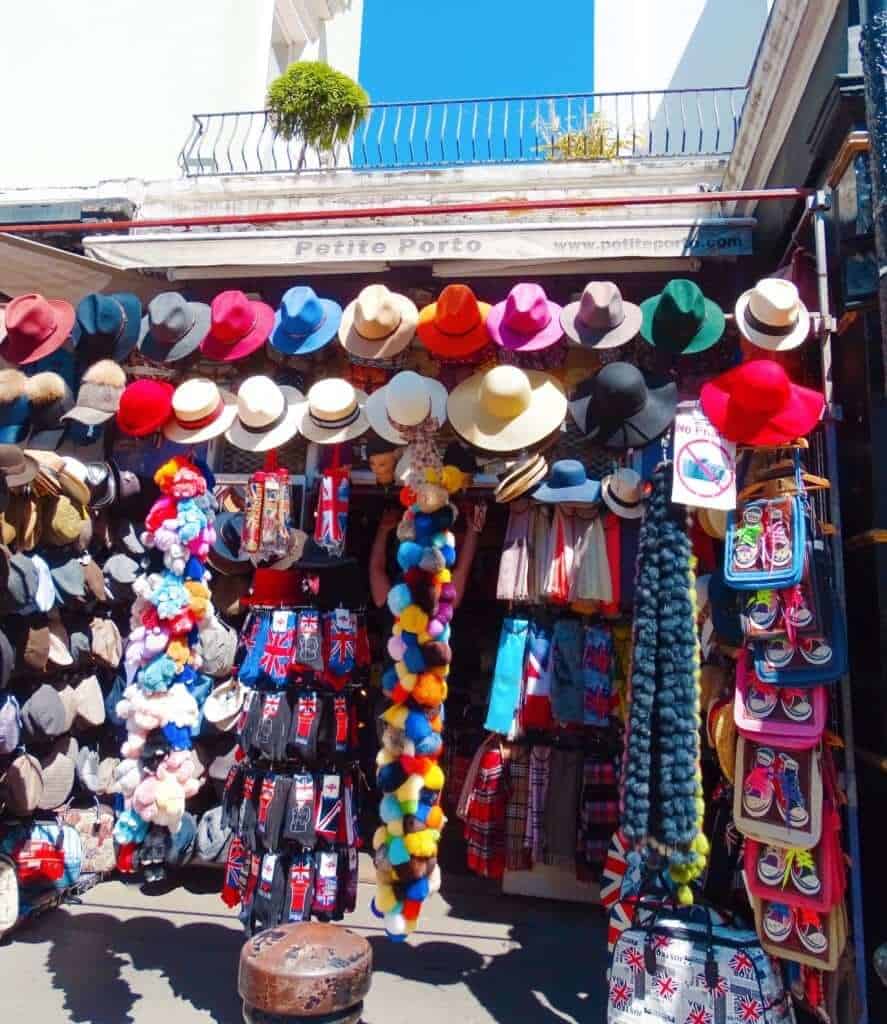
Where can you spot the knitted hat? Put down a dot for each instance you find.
(145, 407)
(34, 645)
(90, 703)
(58, 776)
(66, 695)
(59, 646)
(107, 644)
(21, 785)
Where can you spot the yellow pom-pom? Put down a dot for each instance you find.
(424, 638)
(432, 476)
(421, 844)
(396, 629)
(685, 896)
(701, 844)
(395, 827)
(452, 478)
(401, 669)
(443, 576)
(396, 715)
(435, 819)
(385, 876)
(434, 777)
(386, 900)
(408, 682)
(409, 791)
(413, 619)
(380, 837)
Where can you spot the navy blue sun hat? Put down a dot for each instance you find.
(304, 323)
(109, 325)
(568, 482)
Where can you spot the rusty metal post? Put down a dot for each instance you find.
(304, 974)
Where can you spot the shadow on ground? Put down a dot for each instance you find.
(548, 968)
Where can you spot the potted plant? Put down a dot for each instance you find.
(315, 103)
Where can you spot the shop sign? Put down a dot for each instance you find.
(705, 464)
(530, 242)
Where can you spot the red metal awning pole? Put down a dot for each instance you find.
(382, 212)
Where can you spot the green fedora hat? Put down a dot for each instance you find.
(681, 320)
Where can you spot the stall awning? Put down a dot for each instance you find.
(27, 266)
(348, 249)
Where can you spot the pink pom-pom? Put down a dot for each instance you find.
(396, 648)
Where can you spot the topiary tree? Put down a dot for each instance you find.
(316, 103)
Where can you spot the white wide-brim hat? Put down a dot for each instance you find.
(507, 409)
(267, 415)
(201, 411)
(222, 706)
(772, 316)
(407, 398)
(333, 412)
(623, 493)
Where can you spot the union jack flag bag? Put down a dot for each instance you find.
(331, 520)
(689, 967)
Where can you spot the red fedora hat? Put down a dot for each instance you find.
(145, 407)
(35, 328)
(276, 588)
(756, 403)
(238, 328)
(454, 327)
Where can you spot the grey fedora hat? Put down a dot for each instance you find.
(601, 318)
(173, 327)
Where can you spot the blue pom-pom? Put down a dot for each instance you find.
(391, 777)
(397, 851)
(449, 553)
(399, 597)
(409, 554)
(424, 524)
(389, 679)
(444, 518)
(422, 813)
(417, 726)
(389, 809)
(417, 890)
(429, 745)
(413, 658)
(439, 539)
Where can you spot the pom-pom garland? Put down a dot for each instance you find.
(163, 654)
(662, 801)
(408, 772)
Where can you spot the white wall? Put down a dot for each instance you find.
(99, 89)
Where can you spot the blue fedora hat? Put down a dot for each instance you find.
(109, 324)
(568, 482)
(304, 323)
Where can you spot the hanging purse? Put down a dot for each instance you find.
(765, 712)
(802, 936)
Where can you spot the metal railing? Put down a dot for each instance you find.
(499, 130)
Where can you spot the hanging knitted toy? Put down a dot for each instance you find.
(409, 774)
(162, 657)
(662, 800)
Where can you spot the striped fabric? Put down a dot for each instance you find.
(517, 856)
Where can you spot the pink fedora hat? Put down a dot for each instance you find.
(239, 327)
(527, 321)
(35, 328)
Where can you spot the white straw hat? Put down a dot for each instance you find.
(772, 316)
(406, 399)
(623, 493)
(507, 409)
(378, 324)
(333, 412)
(267, 415)
(201, 411)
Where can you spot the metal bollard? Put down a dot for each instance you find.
(304, 974)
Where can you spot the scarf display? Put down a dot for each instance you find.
(409, 773)
(158, 772)
(662, 798)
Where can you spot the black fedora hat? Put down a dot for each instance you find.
(227, 555)
(619, 408)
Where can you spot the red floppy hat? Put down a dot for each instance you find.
(35, 328)
(757, 403)
(145, 407)
(454, 327)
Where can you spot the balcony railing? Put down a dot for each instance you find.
(470, 132)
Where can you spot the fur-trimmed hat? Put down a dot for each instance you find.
(14, 406)
(50, 399)
(99, 396)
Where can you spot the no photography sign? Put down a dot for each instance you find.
(705, 464)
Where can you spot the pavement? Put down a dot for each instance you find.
(126, 956)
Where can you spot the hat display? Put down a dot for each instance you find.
(455, 326)
(522, 478)
(405, 401)
(681, 320)
(15, 407)
(16, 468)
(173, 327)
(333, 412)
(772, 316)
(266, 416)
(506, 409)
(601, 318)
(568, 482)
(304, 323)
(51, 399)
(222, 706)
(21, 785)
(145, 407)
(201, 410)
(238, 327)
(378, 324)
(99, 396)
(618, 408)
(756, 403)
(35, 328)
(109, 324)
(527, 321)
(623, 493)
